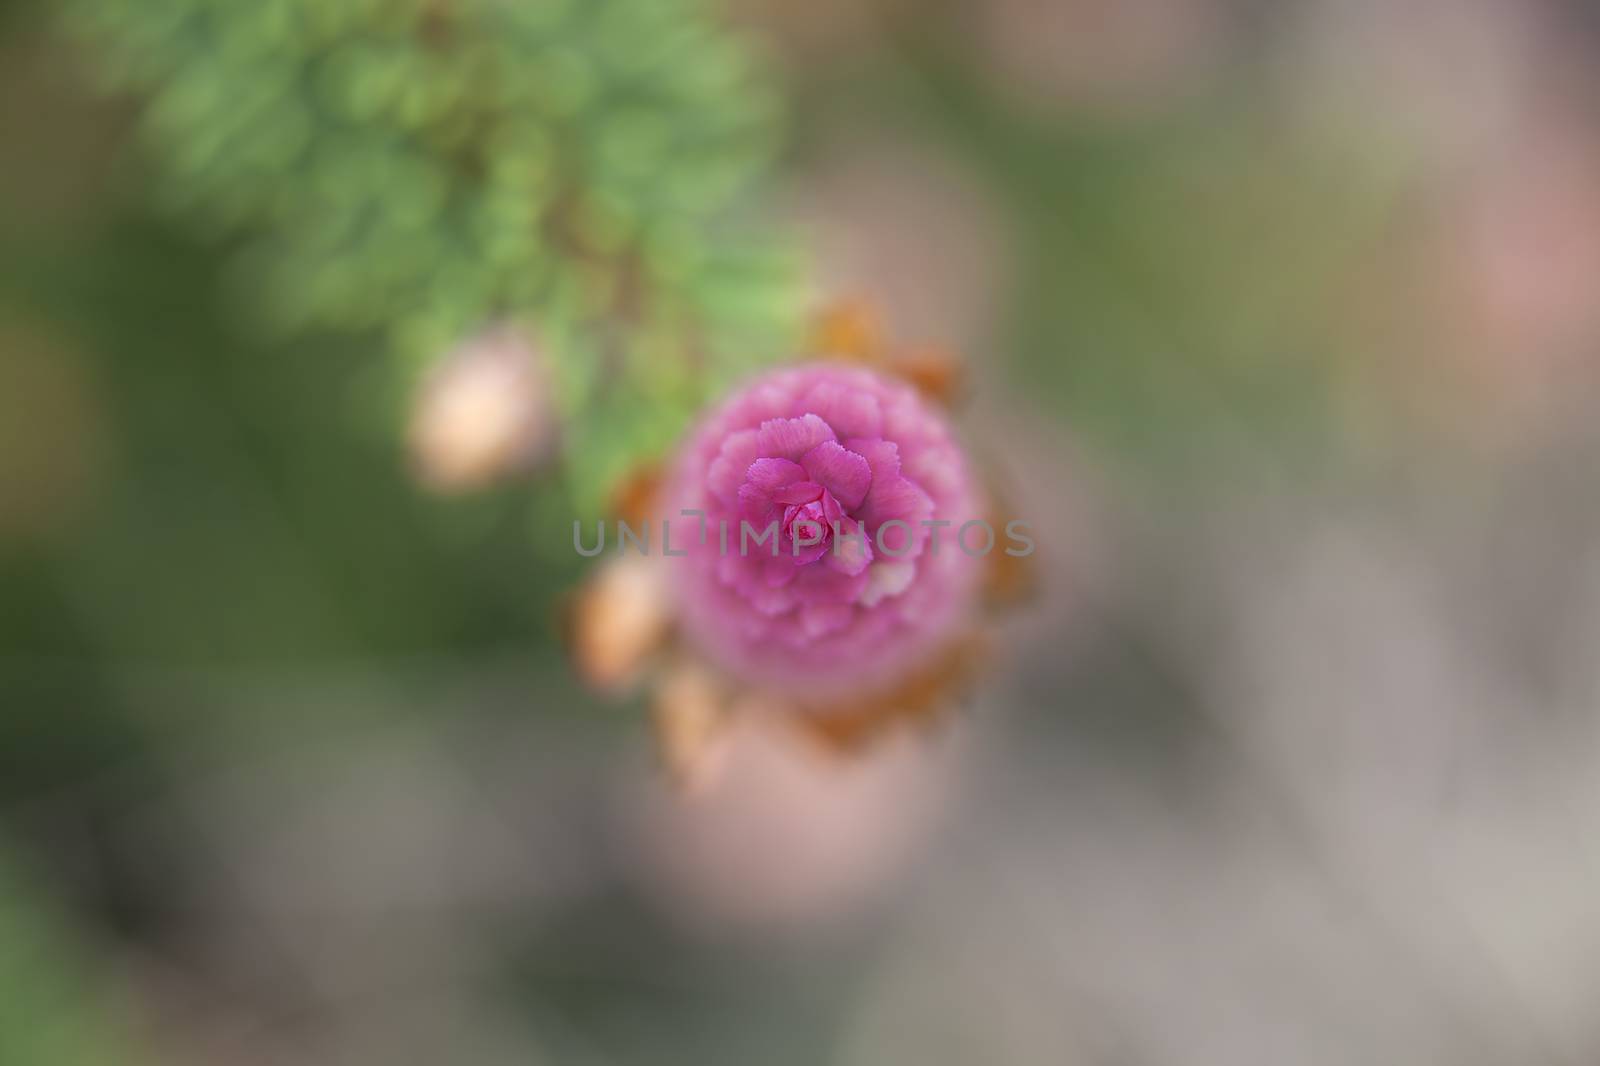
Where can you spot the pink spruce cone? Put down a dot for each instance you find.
(835, 455)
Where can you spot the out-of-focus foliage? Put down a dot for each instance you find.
(426, 167)
(49, 1014)
(1182, 278)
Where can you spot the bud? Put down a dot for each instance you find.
(483, 413)
(808, 451)
(807, 582)
(691, 724)
(618, 620)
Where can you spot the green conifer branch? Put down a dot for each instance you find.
(427, 167)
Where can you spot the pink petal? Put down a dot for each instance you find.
(768, 400)
(770, 601)
(809, 540)
(757, 508)
(799, 494)
(820, 619)
(844, 473)
(900, 500)
(807, 554)
(727, 471)
(851, 411)
(769, 475)
(887, 578)
(851, 551)
(882, 456)
(790, 438)
(892, 497)
(749, 579)
(819, 584)
(776, 573)
(897, 497)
